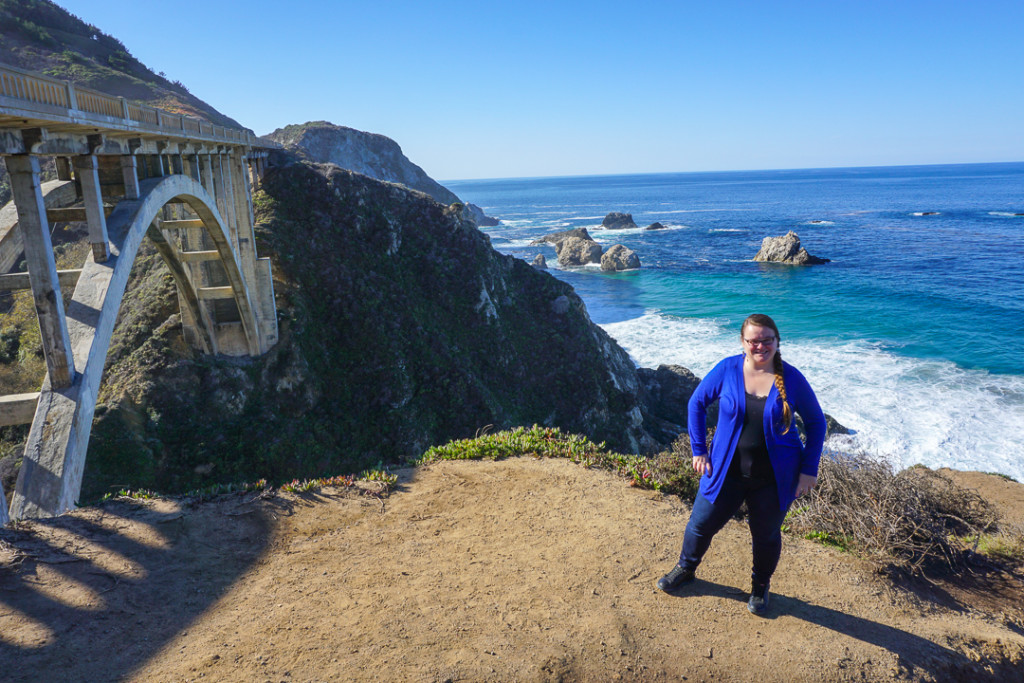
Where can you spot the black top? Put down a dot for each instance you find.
(750, 461)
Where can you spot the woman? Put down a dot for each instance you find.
(756, 454)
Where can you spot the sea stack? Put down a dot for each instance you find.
(619, 257)
(574, 251)
(786, 249)
(618, 221)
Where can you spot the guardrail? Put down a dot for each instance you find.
(51, 97)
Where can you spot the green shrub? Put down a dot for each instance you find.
(546, 442)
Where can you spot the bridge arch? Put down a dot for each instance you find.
(51, 475)
(186, 184)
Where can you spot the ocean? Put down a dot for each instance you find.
(913, 336)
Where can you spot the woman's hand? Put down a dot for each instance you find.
(805, 484)
(701, 465)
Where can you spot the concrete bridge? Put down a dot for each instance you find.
(129, 172)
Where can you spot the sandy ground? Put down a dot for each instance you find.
(521, 570)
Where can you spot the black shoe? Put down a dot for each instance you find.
(758, 603)
(675, 578)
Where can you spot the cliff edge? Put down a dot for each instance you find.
(373, 155)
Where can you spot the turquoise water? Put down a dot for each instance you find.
(913, 335)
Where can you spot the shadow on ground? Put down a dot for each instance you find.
(914, 653)
(73, 589)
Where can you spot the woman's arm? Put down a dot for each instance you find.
(806, 405)
(706, 393)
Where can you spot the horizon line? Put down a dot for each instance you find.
(737, 170)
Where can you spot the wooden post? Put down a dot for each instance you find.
(53, 326)
(130, 171)
(85, 169)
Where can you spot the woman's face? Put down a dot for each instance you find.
(759, 343)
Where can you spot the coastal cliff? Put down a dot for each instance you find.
(400, 328)
(371, 154)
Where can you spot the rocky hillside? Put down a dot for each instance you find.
(401, 328)
(40, 36)
(372, 155)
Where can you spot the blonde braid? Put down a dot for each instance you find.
(780, 384)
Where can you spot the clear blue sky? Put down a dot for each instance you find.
(506, 89)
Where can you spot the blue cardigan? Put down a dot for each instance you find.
(789, 456)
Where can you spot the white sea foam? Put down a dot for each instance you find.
(908, 410)
(818, 222)
(522, 242)
(604, 236)
(712, 230)
(718, 210)
(925, 213)
(1006, 214)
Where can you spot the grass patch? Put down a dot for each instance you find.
(384, 479)
(548, 442)
(839, 541)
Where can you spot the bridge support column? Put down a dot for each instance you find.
(88, 177)
(63, 168)
(242, 208)
(42, 269)
(231, 216)
(130, 173)
(257, 271)
(192, 167)
(207, 174)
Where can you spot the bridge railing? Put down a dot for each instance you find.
(49, 97)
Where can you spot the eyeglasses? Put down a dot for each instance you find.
(767, 341)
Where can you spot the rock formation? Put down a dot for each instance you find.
(655, 226)
(665, 394)
(618, 221)
(575, 251)
(556, 237)
(786, 249)
(540, 262)
(476, 214)
(371, 154)
(619, 257)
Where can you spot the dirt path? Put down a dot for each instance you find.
(521, 570)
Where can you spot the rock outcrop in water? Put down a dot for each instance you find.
(556, 237)
(655, 226)
(619, 257)
(576, 251)
(786, 249)
(618, 221)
